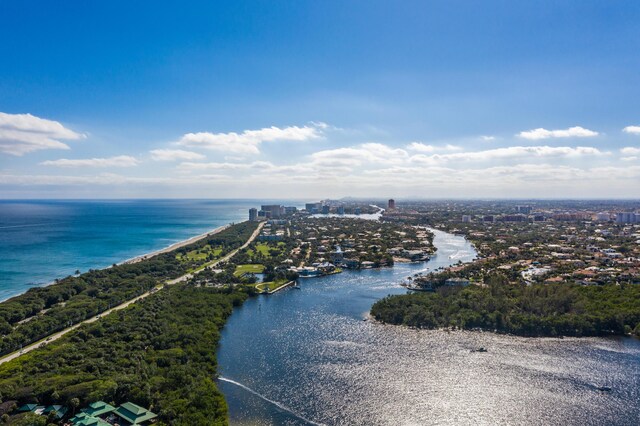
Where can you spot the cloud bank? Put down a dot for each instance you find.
(571, 132)
(346, 167)
(630, 151)
(119, 161)
(175, 155)
(248, 141)
(24, 133)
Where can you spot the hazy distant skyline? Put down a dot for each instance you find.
(426, 99)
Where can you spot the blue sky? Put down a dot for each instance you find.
(320, 99)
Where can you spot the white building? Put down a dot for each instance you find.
(627, 217)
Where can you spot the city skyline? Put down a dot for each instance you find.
(310, 101)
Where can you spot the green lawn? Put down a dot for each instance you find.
(271, 285)
(264, 248)
(200, 254)
(254, 268)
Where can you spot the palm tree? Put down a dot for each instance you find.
(75, 403)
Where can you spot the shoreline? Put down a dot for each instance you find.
(56, 335)
(175, 245)
(140, 257)
(454, 329)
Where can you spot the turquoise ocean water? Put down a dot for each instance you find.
(43, 240)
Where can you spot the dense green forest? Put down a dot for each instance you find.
(42, 311)
(160, 353)
(537, 310)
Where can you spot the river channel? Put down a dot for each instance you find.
(311, 356)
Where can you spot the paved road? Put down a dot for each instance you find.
(59, 334)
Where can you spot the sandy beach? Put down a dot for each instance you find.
(154, 253)
(175, 245)
(182, 278)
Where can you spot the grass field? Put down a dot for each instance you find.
(264, 248)
(200, 254)
(249, 269)
(271, 285)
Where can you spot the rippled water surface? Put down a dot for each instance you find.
(308, 357)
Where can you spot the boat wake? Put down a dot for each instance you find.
(28, 225)
(277, 404)
(458, 254)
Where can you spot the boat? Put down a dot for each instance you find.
(606, 387)
(418, 288)
(480, 349)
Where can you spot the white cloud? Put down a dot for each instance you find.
(367, 153)
(175, 155)
(190, 166)
(105, 179)
(488, 138)
(368, 168)
(421, 147)
(634, 130)
(572, 132)
(509, 153)
(371, 156)
(322, 125)
(248, 141)
(261, 167)
(449, 147)
(612, 172)
(521, 176)
(119, 161)
(24, 133)
(630, 151)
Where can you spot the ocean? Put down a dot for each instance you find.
(41, 240)
(311, 357)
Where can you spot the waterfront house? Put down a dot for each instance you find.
(337, 256)
(326, 267)
(415, 255)
(456, 282)
(351, 263)
(308, 271)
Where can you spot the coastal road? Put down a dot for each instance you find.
(55, 336)
(185, 277)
